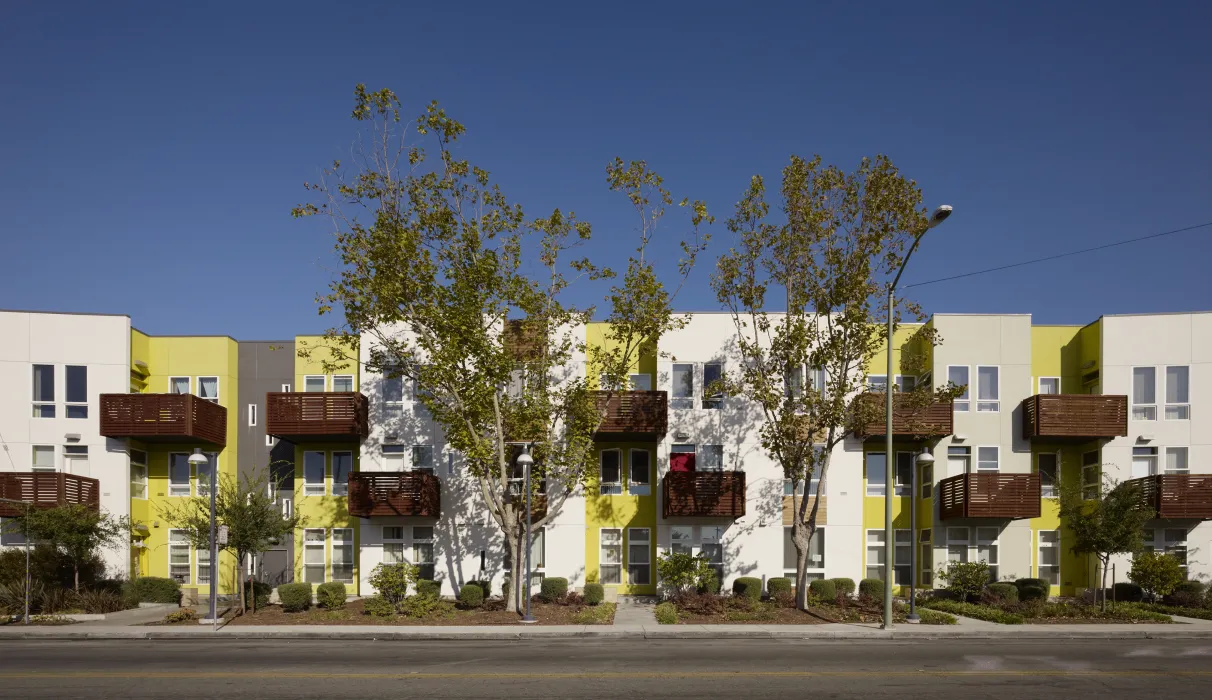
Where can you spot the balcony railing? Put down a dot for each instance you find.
(706, 494)
(990, 495)
(1074, 417)
(321, 416)
(163, 418)
(416, 493)
(1177, 495)
(933, 420)
(633, 415)
(47, 490)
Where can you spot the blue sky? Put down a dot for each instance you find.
(143, 143)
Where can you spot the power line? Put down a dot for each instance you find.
(1061, 255)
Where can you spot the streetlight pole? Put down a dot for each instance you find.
(198, 459)
(940, 214)
(526, 461)
(924, 459)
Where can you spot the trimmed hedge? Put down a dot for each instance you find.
(256, 593)
(844, 586)
(553, 589)
(872, 588)
(433, 589)
(485, 586)
(1027, 594)
(471, 596)
(152, 589)
(978, 612)
(1020, 582)
(594, 594)
(824, 589)
(748, 587)
(1007, 592)
(778, 585)
(295, 597)
(1125, 592)
(1185, 592)
(331, 595)
(666, 614)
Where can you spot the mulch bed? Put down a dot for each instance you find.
(493, 613)
(769, 616)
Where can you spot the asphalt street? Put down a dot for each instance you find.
(569, 669)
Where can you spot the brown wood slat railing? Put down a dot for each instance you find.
(931, 421)
(328, 415)
(1075, 416)
(633, 415)
(1177, 496)
(163, 418)
(395, 493)
(990, 495)
(703, 494)
(47, 490)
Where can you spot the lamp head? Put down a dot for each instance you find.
(525, 461)
(925, 459)
(939, 216)
(197, 458)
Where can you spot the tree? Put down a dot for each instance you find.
(1158, 573)
(75, 531)
(844, 234)
(435, 260)
(1105, 522)
(254, 521)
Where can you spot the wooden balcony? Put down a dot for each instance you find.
(703, 494)
(909, 422)
(47, 490)
(1074, 417)
(633, 415)
(1177, 496)
(163, 418)
(990, 495)
(320, 416)
(416, 494)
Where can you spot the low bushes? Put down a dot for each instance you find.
(978, 612)
(1125, 592)
(99, 602)
(295, 597)
(775, 586)
(1199, 613)
(596, 615)
(1002, 592)
(666, 614)
(485, 586)
(183, 615)
(553, 589)
(471, 596)
(844, 586)
(331, 595)
(1188, 594)
(748, 587)
(824, 589)
(257, 593)
(1032, 589)
(377, 606)
(934, 617)
(429, 588)
(965, 580)
(872, 588)
(594, 593)
(152, 589)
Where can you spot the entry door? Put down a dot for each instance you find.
(275, 567)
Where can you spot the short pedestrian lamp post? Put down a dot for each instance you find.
(197, 460)
(525, 461)
(925, 459)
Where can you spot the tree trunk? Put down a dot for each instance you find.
(1103, 587)
(240, 577)
(801, 578)
(76, 574)
(513, 603)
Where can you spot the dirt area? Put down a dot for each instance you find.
(490, 614)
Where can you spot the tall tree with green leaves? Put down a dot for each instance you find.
(76, 531)
(437, 268)
(1104, 523)
(843, 235)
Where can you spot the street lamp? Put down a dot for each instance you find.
(939, 216)
(197, 460)
(525, 461)
(925, 459)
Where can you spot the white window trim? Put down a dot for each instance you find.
(1055, 475)
(925, 557)
(966, 543)
(903, 490)
(33, 460)
(322, 377)
(867, 475)
(285, 388)
(340, 489)
(35, 403)
(252, 415)
(189, 382)
(323, 479)
(218, 388)
(1166, 405)
(680, 402)
(352, 385)
(1039, 554)
(133, 481)
(608, 488)
(718, 398)
(200, 486)
(189, 480)
(996, 543)
(627, 556)
(1039, 385)
(633, 488)
(622, 555)
(188, 546)
(882, 545)
(321, 544)
(353, 554)
(393, 542)
(961, 404)
(896, 547)
(1164, 460)
(1132, 394)
(197, 566)
(998, 390)
(974, 462)
(68, 405)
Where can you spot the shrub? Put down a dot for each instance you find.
(1031, 593)
(965, 579)
(99, 602)
(295, 597)
(426, 606)
(331, 595)
(1124, 592)
(1159, 574)
(485, 586)
(151, 589)
(872, 588)
(710, 583)
(391, 581)
(257, 593)
(666, 614)
(594, 594)
(553, 589)
(979, 612)
(748, 587)
(1002, 592)
(177, 617)
(681, 573)
(471, 596)
(429, 588)
(49, 567)
(934, 617)
(1020, 582)
(1188, 594)
(844, 586)
(596, 615)
(377, 606)
(823, 588)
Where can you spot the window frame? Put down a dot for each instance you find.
(712, 402)
(925, 481)
(1048, 490)
(634, 487)
(602, 578)
(392, 544)
(68, 404)
(415, 463)
(393, 407)
(867, 481)
(878, 546)
(174, 380)
(341, 489)
(995, 402)
(1054, 569)
(202, 488)
(351, 545)
(963, 402)
(200, 565)
(310, 487)
(997, 453)
(646, 378)
(218, 388)
(615, 486)
(175, 489)
(1147, 410)
(925, 567)
(42, 407)
(180, 544)
(1147, 456)
(993, 549)
(1039, 386)
(43, 449)
(1186, 460)
(137, 484)
(702, 450)
(1183, 407)
(252, 415)
(1095, 484)
(323, 383)
(676, 400)
(313, 545)
(958, 546)
(352, 385)
(646, 565)
(899, 488)
(902, 545)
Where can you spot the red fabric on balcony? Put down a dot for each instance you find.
(681, 462)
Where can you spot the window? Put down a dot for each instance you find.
(711, 546)
(1046, 464)
(906, 382)
(44, 391)
(683, 386)
(270, 440)
(252, 415)
(903, 557)
(76, 380)
(342, 465)
(816, 553)
(393, 544)
(639, 473)
(611, 478)
(793, 383)
(313, 473)
(10, 533)
(1091, 474)
(393, 394)
(286, 388)
(208, 388)
(1178, 400)
(203, 559)
(987, 389)
(640, 382)
(1049, 556)
(75, 459)
(681, 539)
(343, 555)
(926, 481)
(178, 555)
(1144, 393)
(44, 458)
(178, 385)
(957, 544)
(342, 382)
(313, 555)
(958, 376)
(1176, 460)
(639, 556)
(986, 459)
(713, 374)
(926, 558)
(178, 475)
(711, 458)
(816, 379)
(875, 554)
(538, 548)
(877, 382)
(315, 383)
(138, 474)
(204, 472)
(986, 549)
(393, 458)
(1144, 461)
(681, 458)
(1170, 540)
(904, 473)
(1049, 385)
(959, 460)
(876, 473)
(611, 559)
(422, 458)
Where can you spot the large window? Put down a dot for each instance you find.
(393, 394)
(393, 544)
(204, 570)
(1048, 467)
(1091, 475)
(611, 481)
(1144, 461)
(639, 556)
(1049, 556)
(343, 382)
(1176, 460)
(1049, 385)
(816, 554)
(178, 474)
(76, 381)
(986, 459)
(208, 389)
(902, 564)
(138, 474)
(313, 473)
(178, 555)
(44, 459)
(538, 550)
(610, 561)
(711, 458)
(986, 549)
(957, 544)
(639, 473)
(926, 558)
(987, 389)
(1171, 540)
(315, 383)
(393, 458)
(1178, 398)
(958, 376)
(640, 382)
(877, 468)
(422, 458)
(1144, 393)
(926, 481)
(959, 460)
(904, 473)
(422, 552)
(342, 465)
(178, 385)
(683, 386)
(44, 391)
(875, 554)
(713, 374)
(313, 555)
(681, 539)
(343, 555)
(711, 546)
(204, 471)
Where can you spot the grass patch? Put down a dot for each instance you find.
(987, 613)
(1198, 613)
(666, 614)
(934, 617)
(601, 614)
